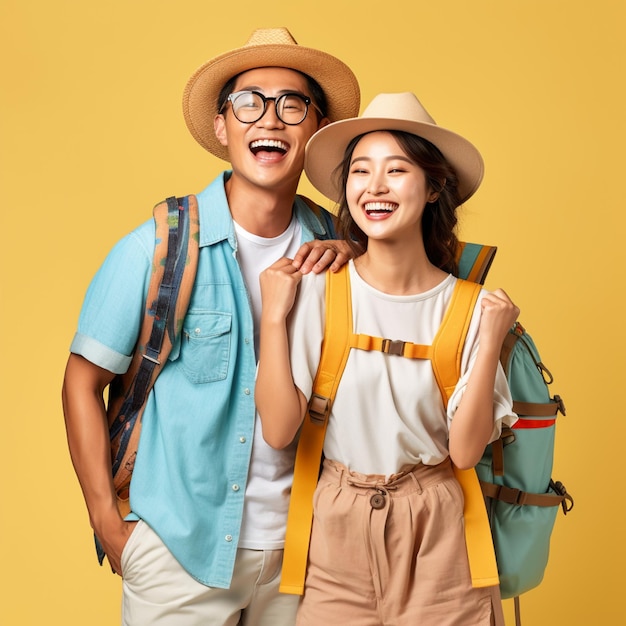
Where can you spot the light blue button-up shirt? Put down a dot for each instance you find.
(192, 465)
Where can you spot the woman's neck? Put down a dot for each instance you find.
(398, 272)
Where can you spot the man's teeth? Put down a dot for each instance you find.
(379, 207)
(268, 143)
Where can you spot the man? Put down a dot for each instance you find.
(203, 542)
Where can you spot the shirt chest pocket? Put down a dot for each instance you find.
(205, 346)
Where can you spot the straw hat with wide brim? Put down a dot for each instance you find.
(271, 47)
(389, 111)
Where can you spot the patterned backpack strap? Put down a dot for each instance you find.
(335, 351)
(173, 273)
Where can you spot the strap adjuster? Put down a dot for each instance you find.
(560, 405)
(510, 495)
(390, 346)
(151, 359)
(319, 408)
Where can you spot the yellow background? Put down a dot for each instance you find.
(92, 136)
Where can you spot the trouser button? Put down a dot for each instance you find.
(377, 501)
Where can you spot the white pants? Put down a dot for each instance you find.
(157, 591)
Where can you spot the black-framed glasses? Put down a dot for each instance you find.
(250, 106)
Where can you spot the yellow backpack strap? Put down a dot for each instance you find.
(446, 362)
(450, 338)
(335, 351)
(478, 539)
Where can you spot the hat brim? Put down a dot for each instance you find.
(202, 90)
(326, 149)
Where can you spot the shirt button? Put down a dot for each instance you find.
(246, 340)
(228, 537)
(235, 487)
(242, 440)
(246, 391)
(197, 331)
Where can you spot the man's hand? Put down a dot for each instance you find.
(317, 255)
(113, 537)
(90, 449)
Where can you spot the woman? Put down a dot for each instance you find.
(399, 179)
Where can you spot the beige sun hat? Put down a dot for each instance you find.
(389, 111)
(270, 47)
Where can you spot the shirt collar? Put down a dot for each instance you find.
(216, 223)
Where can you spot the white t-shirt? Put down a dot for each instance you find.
(388, 413)
(271, 471)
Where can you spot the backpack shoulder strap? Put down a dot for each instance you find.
(335, 351)
(474, 261)
(312, 205)
(446, 361)
(450, 338)
(335, 346)
(173, 274)
(325, 217)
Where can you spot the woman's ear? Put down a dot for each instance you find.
(434, 195)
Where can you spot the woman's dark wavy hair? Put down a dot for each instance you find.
(439, 220)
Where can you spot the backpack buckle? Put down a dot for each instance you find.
(319, 408)
(560, 405)
(390, 346)
(510, 495)
(151, 359)
(567, 504)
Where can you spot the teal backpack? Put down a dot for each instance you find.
(516, 471)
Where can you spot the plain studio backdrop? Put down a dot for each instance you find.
(92, 136)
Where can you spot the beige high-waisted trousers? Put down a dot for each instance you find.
(392, 552)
